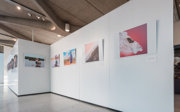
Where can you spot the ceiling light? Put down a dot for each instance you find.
(14, 39)
(18, 7)
(67, 27)
(53, 28)
(38, 17)
(58, 35)
(43, 19)
(29, 14)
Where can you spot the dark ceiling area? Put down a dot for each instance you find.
(176, 10)
(46, 21)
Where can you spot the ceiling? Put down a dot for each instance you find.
(176, 10)
(49, 26)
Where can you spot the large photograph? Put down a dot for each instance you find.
(55, 61)
(69, 57)
(133, 41)
(92, 52)
(12, 63)
(34, 61)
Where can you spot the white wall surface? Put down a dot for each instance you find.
(7, 51)
(33, 80)
(177, 33)
(133, 84)
(13, 74)
(1, 68)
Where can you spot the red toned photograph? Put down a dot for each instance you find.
(133, 41)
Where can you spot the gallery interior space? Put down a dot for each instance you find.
(89, 55)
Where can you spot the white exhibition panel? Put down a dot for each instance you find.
(31, 79)
(142, 83)
(13, 75)
(6, 53)
(1, 68)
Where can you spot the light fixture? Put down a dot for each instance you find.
(53, 28)
(14, 39)
(29, 14)
(38, 17)
(43, 19)
(58, 35)
(67, 27)
(18, 7)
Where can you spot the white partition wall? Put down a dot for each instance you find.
(1, 68)
(25, 80)
(7, 51)
(141, 83)
(13, 74)
(31, 79)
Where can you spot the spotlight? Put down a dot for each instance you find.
(38, 17)
(58, 35)
(14, 39)
(53, 28)
(43, 19)
(29, 14)
(67, 27)
(18, 7)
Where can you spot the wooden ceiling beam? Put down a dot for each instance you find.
(176, 9)
(47, 10)
(4, 44)
(11, 42)
(13, 32)
(46, 25)
(1, 49)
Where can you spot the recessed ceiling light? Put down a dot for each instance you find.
(53, 28)
(58, 35)
(38, 17)
(29, 14)
(18, 7)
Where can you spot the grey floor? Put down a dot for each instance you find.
(42, 103)
(177, 103)
(49, 103)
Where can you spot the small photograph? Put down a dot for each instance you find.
(13, 63)
(133, 41)
(34, 61)
(55, 61)
(92, 52)
(69, 57)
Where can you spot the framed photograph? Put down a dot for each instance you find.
(133, 41)
(12, 63)
(55, 61)
(34, 61)
(69, 57)
(92, 51)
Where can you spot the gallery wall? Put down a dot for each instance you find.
(33, 79)
(7, 51)
(1, 68)
(13, 73)
(141, 83)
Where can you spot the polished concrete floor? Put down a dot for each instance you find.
(42, 103)
(49, 103)
(177, 103)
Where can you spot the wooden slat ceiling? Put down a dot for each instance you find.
(1, 49)
(77, 13)
(177, 8)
